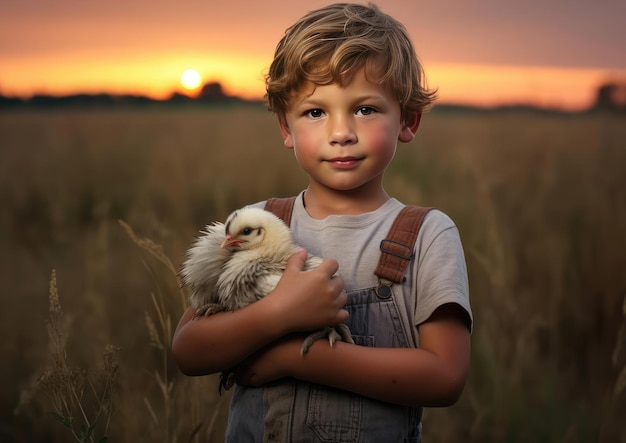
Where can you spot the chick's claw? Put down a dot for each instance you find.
(340, 332)
(227, 380)
(344, 333)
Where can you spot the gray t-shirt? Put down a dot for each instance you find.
(436, 276)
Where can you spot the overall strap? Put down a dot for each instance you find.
(281, 208)
(396, 250)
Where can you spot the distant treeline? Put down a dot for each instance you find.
(609, 97)
(211, 93)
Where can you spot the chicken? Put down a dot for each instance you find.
(237, 263)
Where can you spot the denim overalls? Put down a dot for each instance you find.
(295, 411)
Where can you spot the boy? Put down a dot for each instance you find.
(346, 86)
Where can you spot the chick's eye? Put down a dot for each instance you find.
(365, 110)
(314, 113)
(246, 231)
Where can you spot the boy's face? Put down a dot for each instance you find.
(345, 137)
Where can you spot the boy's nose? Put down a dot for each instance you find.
(341, 132)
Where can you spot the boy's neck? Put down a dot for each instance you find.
(320, 203)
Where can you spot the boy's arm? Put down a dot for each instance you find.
(302, 299)
(432, 375)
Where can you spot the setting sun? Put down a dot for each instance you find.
(190, 79)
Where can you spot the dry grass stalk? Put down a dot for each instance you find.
(612, 427)
(619, 355)
(155, 251)
(160, 337)
(81, 401)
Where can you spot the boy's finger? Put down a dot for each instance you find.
(329, 266)
(297, 259)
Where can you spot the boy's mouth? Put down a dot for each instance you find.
(344, 162)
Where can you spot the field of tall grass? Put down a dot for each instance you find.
(98, 207)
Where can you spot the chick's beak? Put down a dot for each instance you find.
(230, 241)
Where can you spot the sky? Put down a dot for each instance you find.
(551, 53)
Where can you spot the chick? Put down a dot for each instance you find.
(237, 263)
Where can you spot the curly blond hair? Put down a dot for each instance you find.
(331, 44)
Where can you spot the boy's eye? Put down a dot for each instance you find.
(315, 113)
(365, 110)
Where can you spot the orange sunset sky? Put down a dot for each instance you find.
(550, 53)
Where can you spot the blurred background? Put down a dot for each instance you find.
(125, 127)
(480, 53)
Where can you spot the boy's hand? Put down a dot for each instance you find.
(308, 300)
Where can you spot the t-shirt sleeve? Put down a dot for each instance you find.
(441, 268)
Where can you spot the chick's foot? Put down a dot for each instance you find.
(340, 332)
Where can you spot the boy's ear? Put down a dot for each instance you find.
(409, 127)
(286, 132)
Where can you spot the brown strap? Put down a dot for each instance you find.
(396, 250)
(281, 207)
